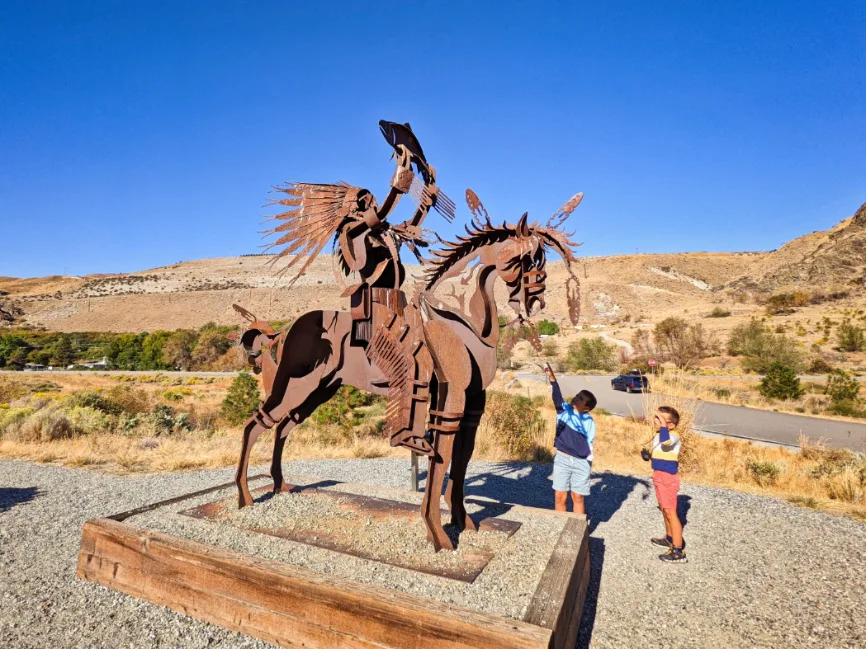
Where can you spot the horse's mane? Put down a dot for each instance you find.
(485, 233)
(479, 235)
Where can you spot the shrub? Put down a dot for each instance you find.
(847, 408)
(242, 399)
(516, 421)
(785, 303)
(850, 337)
(176, 394)
(764, 473)
(549, 348)
(681, 343)
(780, 382)
(548, 328)
(89, 421)
(842, 387)
(591, 354)
(45, 425)
(11, 417)
(508, 337)
(719, 312)
(819, 366)
(760, 347)
(114, 401)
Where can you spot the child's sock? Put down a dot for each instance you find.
(669, 539)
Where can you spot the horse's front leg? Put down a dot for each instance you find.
(284, 428)
(464, 446)
(257, 424)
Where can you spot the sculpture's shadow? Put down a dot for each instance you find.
(12, 496)
(527, 484)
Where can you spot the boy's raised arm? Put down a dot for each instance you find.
(665, 440)
(558, 402)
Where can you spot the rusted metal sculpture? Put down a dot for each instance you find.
(419, 353)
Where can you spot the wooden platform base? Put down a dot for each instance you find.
(291, 606)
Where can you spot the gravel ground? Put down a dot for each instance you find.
(504, 588)
(761, 573)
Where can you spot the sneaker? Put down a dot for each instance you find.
(674, 555)
(663, 541)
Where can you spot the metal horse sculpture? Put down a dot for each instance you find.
(464, 345)
(417, 353)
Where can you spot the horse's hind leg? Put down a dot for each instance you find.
(430, 507)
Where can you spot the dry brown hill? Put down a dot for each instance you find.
(821, 260)
(625, 288)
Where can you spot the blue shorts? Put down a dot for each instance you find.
(571, 473)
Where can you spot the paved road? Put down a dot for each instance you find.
(717, 418)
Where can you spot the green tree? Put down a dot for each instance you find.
(841, 386)
(681, 343)
(151, 351)
(177, 350)
(13, 349)
(591, 354)
(124, 351)
(241, 400)
(39, 356)
(211, 344)
(548, 328)
(850, 337)
(760, 347)
(780, 382)
(61, 353)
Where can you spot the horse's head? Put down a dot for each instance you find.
(518, 253)
(521, 259)
(258, 336)
(520, 262)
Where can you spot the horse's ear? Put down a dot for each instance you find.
(244, 313)
(559, 216)
(522, 226)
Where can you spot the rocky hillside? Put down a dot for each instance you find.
(628, 288)
(831, 260)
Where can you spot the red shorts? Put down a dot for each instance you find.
(667, 486)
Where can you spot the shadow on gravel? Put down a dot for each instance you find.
(607, 494)
(587, 621)
(684, 504)
(11, 496)
(506, 484)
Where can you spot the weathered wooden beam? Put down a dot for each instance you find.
(558, 600)
(284, 604)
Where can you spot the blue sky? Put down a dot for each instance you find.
(136, 134)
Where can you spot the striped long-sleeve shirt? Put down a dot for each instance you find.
(666, 451)
(575, 432)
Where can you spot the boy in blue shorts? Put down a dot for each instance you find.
(575, 434)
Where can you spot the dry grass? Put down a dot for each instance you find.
(518, 425)
(743, 392)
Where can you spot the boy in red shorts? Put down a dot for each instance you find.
(665, 463)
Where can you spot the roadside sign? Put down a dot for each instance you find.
(651, 362)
